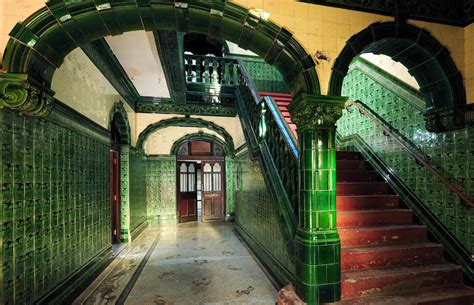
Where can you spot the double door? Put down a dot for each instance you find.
(212, 190)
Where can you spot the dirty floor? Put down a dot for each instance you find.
(193, 263)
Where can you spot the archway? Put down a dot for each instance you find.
(184, 122)
(31, 58)
(119, 174)
(427, 61)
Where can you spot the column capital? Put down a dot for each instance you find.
(19, 93)
(309, 111)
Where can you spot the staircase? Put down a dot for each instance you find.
(282, 100)
(385, 257)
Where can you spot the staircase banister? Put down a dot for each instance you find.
(249, 82)
(408, 148)
(284, 128)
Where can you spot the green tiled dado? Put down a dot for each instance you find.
(450, 152)
(256, 216)
(54, 203)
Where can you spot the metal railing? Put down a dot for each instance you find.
(413, 152)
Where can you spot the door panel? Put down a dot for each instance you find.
(187, 193)
(114, 158)
(213, 191)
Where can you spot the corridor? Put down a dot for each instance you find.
(193, 263)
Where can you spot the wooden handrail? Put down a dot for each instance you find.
(414, 154)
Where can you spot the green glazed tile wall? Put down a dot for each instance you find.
(265, 77)
(138, 200)
(230, 187)
(451, 152)
(54, 204)
(161, 189)
(255, 213)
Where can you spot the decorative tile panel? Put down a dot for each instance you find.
(161, 189)
(138, 200)
(54, 204)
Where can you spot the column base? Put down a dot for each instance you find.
(318, 267)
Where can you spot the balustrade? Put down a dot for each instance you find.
(211, 70)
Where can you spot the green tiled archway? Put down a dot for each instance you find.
(184, 122)
(119, 114)
(39, 44)
(228, 147)
(441, 83)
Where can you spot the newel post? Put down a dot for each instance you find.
(318, 268)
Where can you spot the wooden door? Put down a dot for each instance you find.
(114, 159)
(213, 191)
(187, 193)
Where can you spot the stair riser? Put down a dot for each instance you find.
(348, 155)
(356, 176)
(392, 284)
(352, 165)
(371, 188)
(361, 219)
(382, 237)
(367, 203)
(390, 258)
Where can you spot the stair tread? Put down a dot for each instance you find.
(376, 211)
(398, 270)
(413, 296)
(378, 248)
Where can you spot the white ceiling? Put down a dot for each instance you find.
(136, 51)
(395, 68)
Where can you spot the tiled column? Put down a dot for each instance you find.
(317, 240)
(124, 194)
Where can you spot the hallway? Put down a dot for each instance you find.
(193, 263)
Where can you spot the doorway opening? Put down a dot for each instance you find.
(200, 187)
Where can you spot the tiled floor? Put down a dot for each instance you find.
(192, 263)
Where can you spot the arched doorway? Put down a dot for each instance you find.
(200, 187)
(118, 174)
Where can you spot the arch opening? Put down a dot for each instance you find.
(31, 50)
(428, 61)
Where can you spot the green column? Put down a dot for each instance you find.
(124, 194)
(318, 267)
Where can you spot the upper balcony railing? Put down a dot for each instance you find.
(211, 70)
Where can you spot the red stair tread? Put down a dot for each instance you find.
(363, 283)
(368, 202)
(381, 217)
(363, 258)
(449, 295)
(265, 93)
(382, 235)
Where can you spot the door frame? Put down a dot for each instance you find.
(115, 196)
(202, 159)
